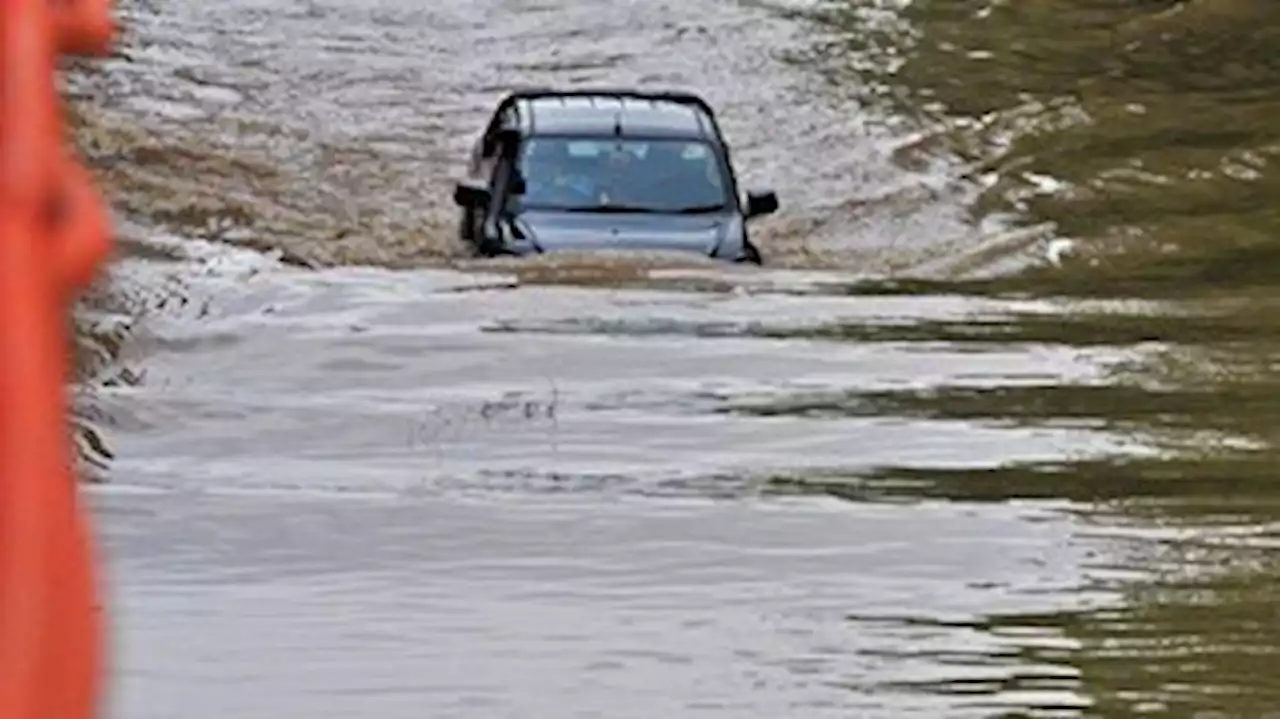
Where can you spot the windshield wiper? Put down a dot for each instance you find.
(640, 209)
(700, 209)
(612, 209)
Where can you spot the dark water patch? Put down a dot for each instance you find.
(1147, 128)
(1220, 324)
(1038, 328)
(1114, 407)
(1194, 641)
(1224, 487)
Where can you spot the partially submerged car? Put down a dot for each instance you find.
(606, 169)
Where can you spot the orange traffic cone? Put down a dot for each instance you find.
(53, 238)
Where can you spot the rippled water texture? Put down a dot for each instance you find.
(1145, 128)
(356, 472)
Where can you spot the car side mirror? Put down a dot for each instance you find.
(761, 202)
(470, 194)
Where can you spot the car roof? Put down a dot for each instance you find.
(615, 113)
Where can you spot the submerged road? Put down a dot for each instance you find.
(402, 483)
(357, 491)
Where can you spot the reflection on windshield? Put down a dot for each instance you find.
(620, 175)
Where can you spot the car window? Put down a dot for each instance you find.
(653, 175)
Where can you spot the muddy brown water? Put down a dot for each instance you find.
(356, 472)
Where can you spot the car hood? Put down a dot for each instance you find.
(570, 231)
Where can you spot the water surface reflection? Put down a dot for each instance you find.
(604, 488)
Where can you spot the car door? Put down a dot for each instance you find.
(485, 153)
(482, 167)
(488, 228)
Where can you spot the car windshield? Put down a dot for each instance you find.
(621, 175)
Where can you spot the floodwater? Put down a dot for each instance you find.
(926, 463)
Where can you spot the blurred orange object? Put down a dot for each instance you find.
(54, 236)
